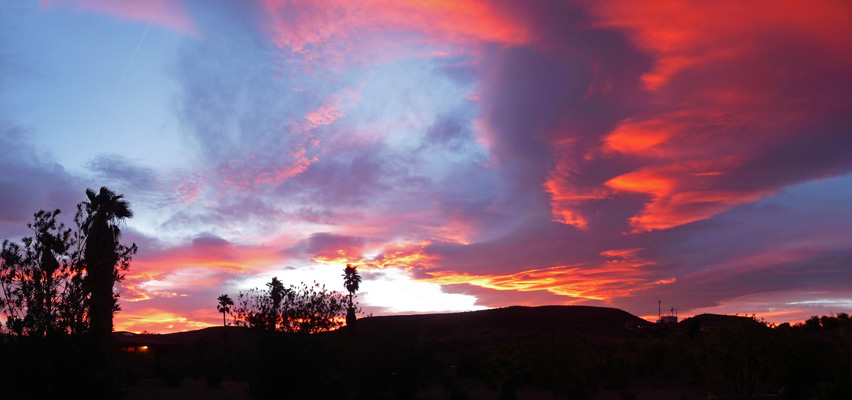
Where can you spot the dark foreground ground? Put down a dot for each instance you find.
(555, 352)
(190, 389)
(195, 389)
(570, 352)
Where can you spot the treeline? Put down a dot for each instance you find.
(57, 302)
(283, 359)
(295, 309)
(299, 308)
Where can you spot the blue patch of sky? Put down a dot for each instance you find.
(403, 100)
(69, 95)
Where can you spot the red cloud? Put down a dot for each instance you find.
(684, 34)
(734, 89)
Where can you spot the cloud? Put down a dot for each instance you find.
(606, 153)
(155, 320)
(793, 241)
(205, 252)
(115, 170)
(683, 36)
(166, 13)
(30, 181)
(188, 277)
(333, 34)
(731, 112)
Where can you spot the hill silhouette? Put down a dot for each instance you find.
(516, 352)
(492, 324)
(488, 325)
(718, 321)
(507, 322)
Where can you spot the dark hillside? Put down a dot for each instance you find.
(521, 352)
(209, 336)
(507, 322)
(491, 324)
(716, 321)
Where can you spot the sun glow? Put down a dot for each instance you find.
(394, 291)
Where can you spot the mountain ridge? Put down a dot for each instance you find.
(495, 323)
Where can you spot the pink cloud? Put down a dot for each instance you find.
(166, 13)
(339, 30)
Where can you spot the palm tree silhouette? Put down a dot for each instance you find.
(224, 306)
(104, 210)
(351, 281)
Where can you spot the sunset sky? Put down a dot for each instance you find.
(463, 154)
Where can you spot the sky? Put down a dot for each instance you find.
(463, 155)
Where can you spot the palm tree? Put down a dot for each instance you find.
(351, 281)
(224, 306)
(104, 211)
(276, 293)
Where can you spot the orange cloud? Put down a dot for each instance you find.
(688, 156)
(626, 254)
(680, 193)
(641, 137)
(405, 256)
(564, 195)
(620, 275)
(564, 198)
(158, 321)
(454, 231)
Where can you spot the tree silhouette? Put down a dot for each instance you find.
(56, 291)
(351, 281)
(304, 308)
(104, 257)
(276, 293)
(224, 306)
(38, 293)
